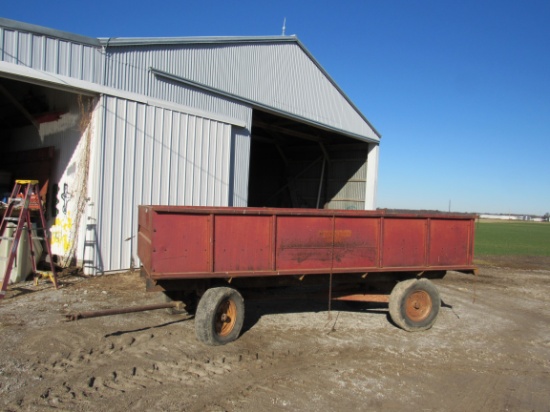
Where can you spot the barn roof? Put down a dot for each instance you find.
(275, 74)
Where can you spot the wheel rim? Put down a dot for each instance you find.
(226, 316)
(418, 305)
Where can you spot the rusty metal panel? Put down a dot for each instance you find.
(180, 242)
(404, 242)
(304, 242)
(202, 242)
(447, 242)
(242, 243)
(145, 232)
(356, 242)
(310, 242)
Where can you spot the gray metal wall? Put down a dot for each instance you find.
(272, 72)
(50, 54)
(347, 179)
(344, 179)
(85, 59)
(276, 74)
(151, 155)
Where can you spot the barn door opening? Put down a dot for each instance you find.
(299, 166)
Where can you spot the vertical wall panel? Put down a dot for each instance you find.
(51, 55)
(54, 55)
(24, 52)
(106, 192)
(75, 63)
(64, 58)
(9, 46)
(37, 52)
(347, 179)
(128, 187)
(240, 166)
(156, 166)
(153, 155)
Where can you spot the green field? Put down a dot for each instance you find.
(511, 238)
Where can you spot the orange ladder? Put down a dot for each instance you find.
(26, 195)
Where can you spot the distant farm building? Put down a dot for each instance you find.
(512, 217)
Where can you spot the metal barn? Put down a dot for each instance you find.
(110, 123)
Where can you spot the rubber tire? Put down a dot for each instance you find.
(407, 294)
(207, 321)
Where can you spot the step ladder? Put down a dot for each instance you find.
(26, 197)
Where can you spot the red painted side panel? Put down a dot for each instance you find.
(307, 242)
(202, 242)
(145, 247)
(356, 242)
(304, 242)
(449, 242)
(180, 243)
(404, 242)
(242, 243)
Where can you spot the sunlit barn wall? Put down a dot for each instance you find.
(276, 72)
(42, 49)
(151, 155)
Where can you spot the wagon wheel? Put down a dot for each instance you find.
(220, 316)
(414, 304)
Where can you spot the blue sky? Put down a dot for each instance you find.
(459, 90)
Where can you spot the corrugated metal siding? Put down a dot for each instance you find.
(278, 75)
(151, 155)
(240, 155)
(347, 181)
(344, 178)
(54, 55)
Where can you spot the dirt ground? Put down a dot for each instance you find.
(488, 351)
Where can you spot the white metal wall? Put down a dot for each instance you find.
(152, 155)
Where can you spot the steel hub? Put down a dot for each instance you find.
(226, 317)
(418, 305)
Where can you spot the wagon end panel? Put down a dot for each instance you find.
(404, 242)
(450, 242)
(144, 236)
(180, 244)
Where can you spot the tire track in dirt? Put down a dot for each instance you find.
(93, 371)
(492, 354)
